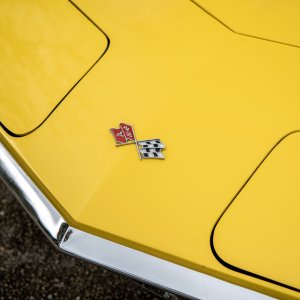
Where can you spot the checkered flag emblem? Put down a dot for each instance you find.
(125, 135)
(151, 148)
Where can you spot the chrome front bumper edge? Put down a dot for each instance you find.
(32, 199)
(105, 253)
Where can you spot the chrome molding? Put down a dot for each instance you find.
(35, 203)
(116, 257)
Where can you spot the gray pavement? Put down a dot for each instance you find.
(31, 268)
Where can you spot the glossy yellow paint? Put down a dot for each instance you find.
(45, 48)
(260, 231)
(218, 100)
(274, 20)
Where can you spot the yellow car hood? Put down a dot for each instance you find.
(219, 101)
(271, 20)
(259, 231)
(42, 58)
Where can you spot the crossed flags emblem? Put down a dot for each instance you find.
(124, 135)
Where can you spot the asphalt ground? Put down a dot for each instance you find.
(31, 268)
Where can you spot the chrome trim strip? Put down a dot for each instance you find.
(111, 255)
(151, 269)
(35, 203)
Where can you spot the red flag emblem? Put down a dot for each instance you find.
(118, 135)
(128, 132)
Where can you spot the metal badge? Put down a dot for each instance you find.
(125, 135)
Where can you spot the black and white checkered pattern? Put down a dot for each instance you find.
(154, 143)
(152, 153)
(151, 148)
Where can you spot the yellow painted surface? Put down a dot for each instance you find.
(45, 48)
(275, 20)
(260, 230)
(218, 100)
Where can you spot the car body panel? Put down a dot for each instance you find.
(271, 20)
(45, 48)
(219, 101)
(259, 232)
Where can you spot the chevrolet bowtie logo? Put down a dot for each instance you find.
(125, 135)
